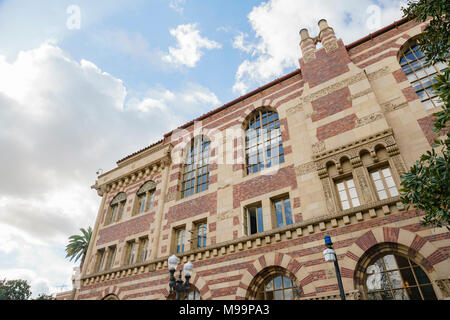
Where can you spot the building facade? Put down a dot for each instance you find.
(248, 191)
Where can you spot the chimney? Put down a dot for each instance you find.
(327, 36)
(307, 45)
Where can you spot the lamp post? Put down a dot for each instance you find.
(330, 255)
(178, 285)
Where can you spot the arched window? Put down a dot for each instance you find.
(116, 208)
(145, 196)
(196, 167)
(273, 283)
(263, 143)
(394, 276)
(420, 74)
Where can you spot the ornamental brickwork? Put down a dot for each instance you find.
(347, 112)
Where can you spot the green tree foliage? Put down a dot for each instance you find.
(78, 245)
(434, 41)
(427, 184)
(14, 290)
(43, 296)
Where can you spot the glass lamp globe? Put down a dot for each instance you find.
(188, 269)
(329, 255)
(173, 262)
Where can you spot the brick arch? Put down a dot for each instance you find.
(112, 291)
(304, 279)
(434, 260)
(201, 285)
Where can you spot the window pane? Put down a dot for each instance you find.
(393, 191)
(279, 214)
(375, 175)
(389, 262)
(382, 195)
(355, 202)
(379, 185)
(288, 212)
(345, 205)
(421, 276)
(340, 186)
(260, 219)
(395, 279)
(278, 282)
(400, 295)
(287, 282)
(428, 293)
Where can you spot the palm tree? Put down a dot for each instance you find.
(78, 245)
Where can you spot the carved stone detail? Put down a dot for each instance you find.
(399, 165)
(331, 207)
(368, 119)
(318, 147)
(364, 185)
(305, 168)
(361, 94)
(444, 286)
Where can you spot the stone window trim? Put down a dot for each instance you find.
(360, 171)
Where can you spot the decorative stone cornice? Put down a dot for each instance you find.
(136, 174)
(297, 230)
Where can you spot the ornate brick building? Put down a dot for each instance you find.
(265, 177)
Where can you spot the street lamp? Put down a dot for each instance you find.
(178, 285)
(330, 255)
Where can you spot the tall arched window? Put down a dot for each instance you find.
(116, 208)
(196, 167)
(145, 196)
(396, 277)
(263, 143)
(420, 74)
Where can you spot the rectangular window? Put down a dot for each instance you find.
(100, 260)
(142, 201)
(283, 212)
(254, 219)
(201, 229)
(143, 250)
(347, 194)
(180, 237)
(114, 210)
(384, 183)
(111, 258)
(131, 253)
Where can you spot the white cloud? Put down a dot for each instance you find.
(177, 5)
(60, 121)
(189, 47)
(276, 24)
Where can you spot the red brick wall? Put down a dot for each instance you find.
(331, 104)
(336, 127)
(326, 66)
(260, 185)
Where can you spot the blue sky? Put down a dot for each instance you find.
(76, 95)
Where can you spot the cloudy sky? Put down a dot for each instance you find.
(85, 83)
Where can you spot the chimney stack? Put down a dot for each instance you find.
(307, 45)
(327, 36)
